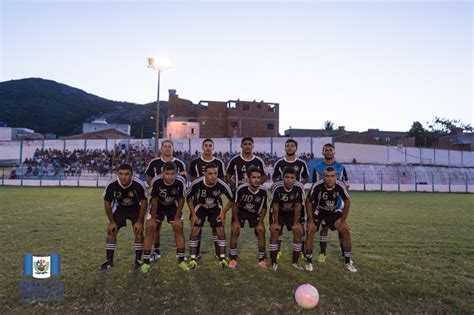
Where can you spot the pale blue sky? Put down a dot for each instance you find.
(371, 64)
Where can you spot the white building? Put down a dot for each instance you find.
(102, 124)
(180, 129)
(16, 134)
(6, 133)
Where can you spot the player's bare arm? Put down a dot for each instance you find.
(276, 210)
(226, 208)
(179, 210)
(297, 217)
(229, 180)
(309, 214)
(138, 226)
(345, 210)
(148, 180)
(112, 228)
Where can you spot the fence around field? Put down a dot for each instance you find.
(360, 180)
(346, 152)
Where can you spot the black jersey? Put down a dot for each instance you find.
(253, 202)
(287, 198)
(155, 167)
(209, 196)
(238, 167)
(168, 195)
(125, 196)
(327, 199)
(198, 165)
(299, 165)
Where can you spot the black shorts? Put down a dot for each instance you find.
(327, 218)
(168, 212)
(162, 212)
(285, 219)
(253, 218)
(122, 214)
(302, 216)
(212, 215)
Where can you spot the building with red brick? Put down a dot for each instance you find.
(233, 118)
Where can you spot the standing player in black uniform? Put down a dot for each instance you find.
(204, 201)
(291, 160)
(168, 196)
(155, 168)
(323, 209)
(236, 173)
(198, 165)
(196, 170)
(250, 204)
(124, 199)
(286, 200)
(301, 172)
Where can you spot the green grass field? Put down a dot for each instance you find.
(414, 253)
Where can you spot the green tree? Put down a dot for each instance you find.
(445, 126)
(423, 137)
(328, 125)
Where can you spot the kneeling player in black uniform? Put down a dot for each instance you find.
(196, 170)
(323, 208)
(168, 195)
(124, 199)
(204, 201)
(287, 198)
(250, 204)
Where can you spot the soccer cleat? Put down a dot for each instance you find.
(279, 256)
(217, 257)
(145, 268)
(192, 264)
(184, 265)
(297, 266)
(224, 263)
(233, 263)
(322, 258)
(263, 264)
(155, 256)
(343, 260)
(309, 267)
(350, 267)
(138, 264)
(198, 256)
(274, 267)
(106, 266)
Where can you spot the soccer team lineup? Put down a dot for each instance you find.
(215, 192)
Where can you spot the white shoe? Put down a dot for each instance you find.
(309, 266)
(154, 257)
(350, 267)
(297, 266)
(343, 259)
(274, 267)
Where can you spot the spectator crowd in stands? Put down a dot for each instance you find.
(54, 162)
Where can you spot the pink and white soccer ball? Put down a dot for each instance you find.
(307, 296)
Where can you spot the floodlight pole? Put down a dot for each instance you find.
(157, 127)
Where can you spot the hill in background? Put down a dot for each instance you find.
(51, 107)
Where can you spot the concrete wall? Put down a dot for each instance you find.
(6, 133)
